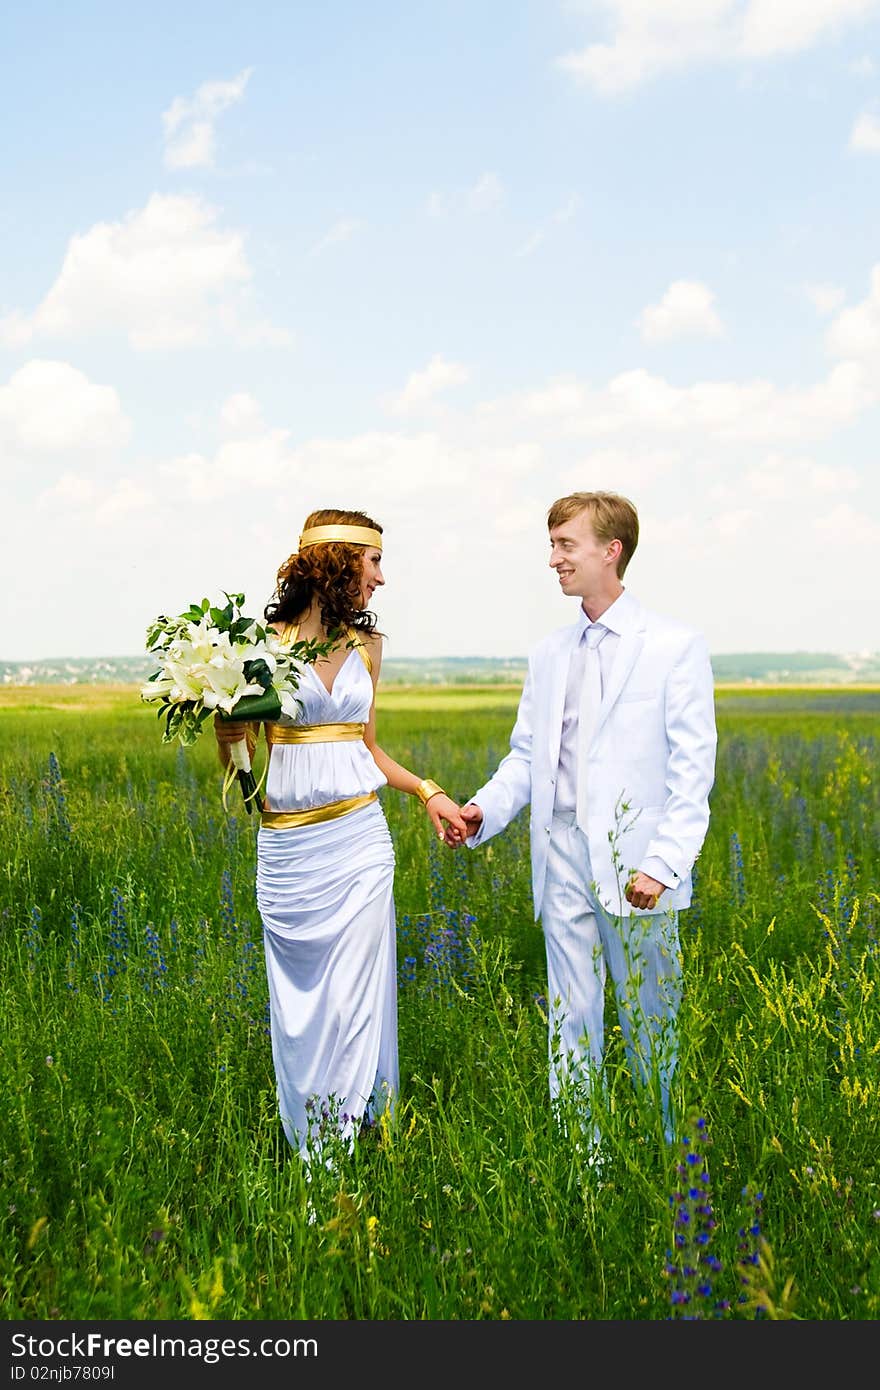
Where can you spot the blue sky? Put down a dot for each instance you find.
(444, 263)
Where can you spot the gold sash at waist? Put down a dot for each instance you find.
(288, 820)
(314, 733)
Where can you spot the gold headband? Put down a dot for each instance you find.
(352, 535)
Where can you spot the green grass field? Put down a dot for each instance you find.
(145, 1174)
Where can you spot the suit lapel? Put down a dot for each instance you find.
(630, 645)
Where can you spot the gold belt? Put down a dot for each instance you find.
(313, 733)
(287, 820)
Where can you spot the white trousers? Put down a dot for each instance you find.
(584, 943)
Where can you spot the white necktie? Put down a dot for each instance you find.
(588, 710)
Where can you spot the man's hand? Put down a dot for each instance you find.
(642, 890)
(473, 819)
(446, 817)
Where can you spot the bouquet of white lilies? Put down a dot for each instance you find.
(216, 661)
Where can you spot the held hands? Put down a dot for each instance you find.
(446, 818)
(472, 818)
(643, 891)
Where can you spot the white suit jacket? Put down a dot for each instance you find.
(652, 757)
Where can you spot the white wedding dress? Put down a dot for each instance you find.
(325, 896)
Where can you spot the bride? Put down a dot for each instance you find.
(325, 859)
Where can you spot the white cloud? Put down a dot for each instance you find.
(341, 230)
(105, 505)
(562, 214)
(519, 519)
(700, 484)
(855, 333)
(166, 275)
(636, 402)
(687, 309)
(482, 196)
(407, 467)
(647, 38)
(733, 523)
(779, 478)
(865, 134)
(486, 193)
(422, 386)
(51, 407)
(70, 491)
(564, 396)
(852, 525)
(125, 497)
(531, 243)
(825, 298)
(189, 123)
(623, 470)
(241, 414)
(787, 26)
(826, 478)
(258, 461)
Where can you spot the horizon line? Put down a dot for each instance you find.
(469, 656)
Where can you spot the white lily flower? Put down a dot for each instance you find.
(289, 705)
(262, 651)
(184, 686)
(153, 689)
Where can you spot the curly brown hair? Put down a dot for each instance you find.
(329, 573)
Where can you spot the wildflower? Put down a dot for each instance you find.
(690, 1266)
(737, 873)
(757, 1268)
(56, 802)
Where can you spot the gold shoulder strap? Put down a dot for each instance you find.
(358, 643)
(290, 630)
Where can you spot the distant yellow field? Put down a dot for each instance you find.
(70, 698)
(77, 699)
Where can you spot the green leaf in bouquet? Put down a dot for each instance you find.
(266, 706)
(238, 629)
(257, 673)
(173, 721)
(307, 650)
(156, 630)
(190, 726)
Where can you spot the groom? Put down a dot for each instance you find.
(614, 751)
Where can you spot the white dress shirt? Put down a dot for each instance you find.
(611, 624)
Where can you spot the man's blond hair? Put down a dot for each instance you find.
(612, 517)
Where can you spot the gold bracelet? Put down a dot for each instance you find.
(426, 789)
